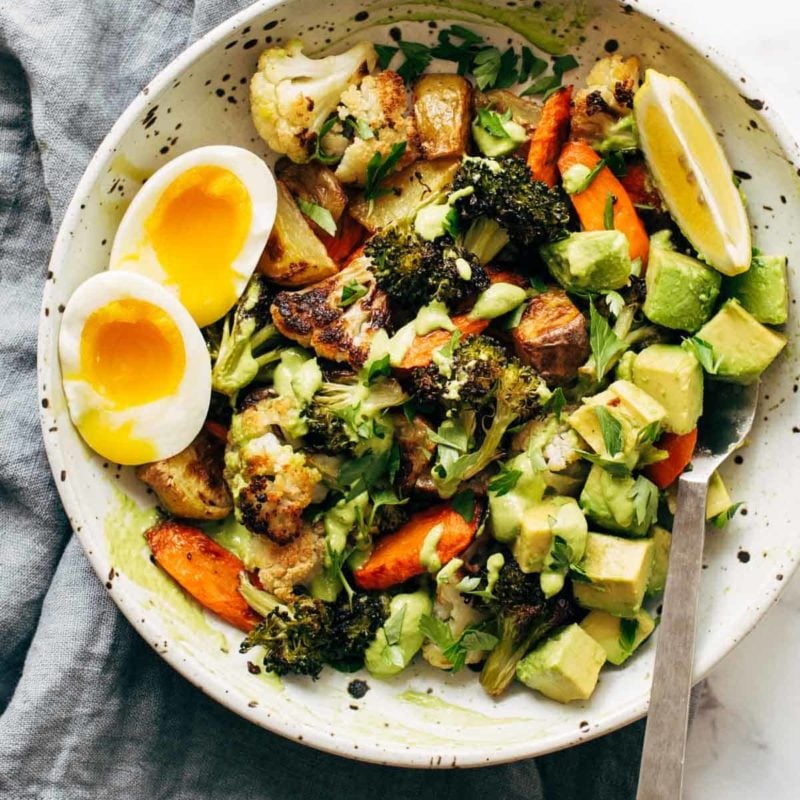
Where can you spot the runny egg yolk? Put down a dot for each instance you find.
(197, 230)
(132, 353)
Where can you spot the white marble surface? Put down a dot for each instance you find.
(745, 740)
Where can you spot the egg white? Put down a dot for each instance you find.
(169, 423)
(132, 251)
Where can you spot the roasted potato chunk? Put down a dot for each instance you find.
(443, 110)
(315, 183)
(524, 112)
(552, 338)
(408, 190)
(190, 484)
(294, 256)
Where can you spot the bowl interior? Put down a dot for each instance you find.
(424, 717)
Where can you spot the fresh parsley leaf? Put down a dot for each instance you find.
(319, 214)
(546, 83)
(644, 494)
(393, 627)
(352, 292)
(722, 519)
(532, 66)
(385, 55)
(618, 469)
(337, 561)
(464, 504)
(562, 64)
(537, 284)
(393, 462)
(605, 344)
(492, 122)
(608, 212)
(451, 224)
(590, 176)
(504, 481)
(615, 302)
(560, 553)
(460, 53)
(455, 650)
(627, 634)
(360, 127)
(379, 368)
(319, 154)
(556, 403)
(704, 352)
(468, 35)
(579, 574)
(378, 168)
(611, 429)
(493, 69)
(436, 630)
(418, 57)
(648, 434)
(511, 320)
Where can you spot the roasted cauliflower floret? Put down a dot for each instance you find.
(271, 483)
(292, 96)
(282, 567)
(599, 109)
(378, 107)
(451, 607)
(189, 484)
(337, 317)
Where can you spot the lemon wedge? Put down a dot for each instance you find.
(690, 169)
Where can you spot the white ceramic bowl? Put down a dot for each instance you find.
(424, 717)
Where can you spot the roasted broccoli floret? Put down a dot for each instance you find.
(517, 395)
(485, 238)
(504, 190)
(348, 415)
(414, 271)
(247, 336)
(389, 518)
(292, 96)
(523, 616)
(271, 483)
(302, 637)
(466, 380)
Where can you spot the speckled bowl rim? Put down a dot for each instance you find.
(212, 685)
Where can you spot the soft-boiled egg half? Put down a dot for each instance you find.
(198, 227)
(136, 370)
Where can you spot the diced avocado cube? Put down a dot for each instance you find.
(672, 376)
(630, 405)
(565, 667)
(559, 516)
(718, 499)
(743, 346)
(763, 289)
(624, 368)
(624, 504)
(662, 540)
(681, 291)
(593, 260)
(608, 632)
(618, 570)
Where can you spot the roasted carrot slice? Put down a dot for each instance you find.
(591, 203)
(681, 449)
(549, 136)
(420, 353)
(207, 571)
(397, 556)
(348, 237)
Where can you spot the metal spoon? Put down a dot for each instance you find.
(728, 417)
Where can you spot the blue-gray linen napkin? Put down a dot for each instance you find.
(87, 709)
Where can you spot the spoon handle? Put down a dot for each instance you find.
(661, 770)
